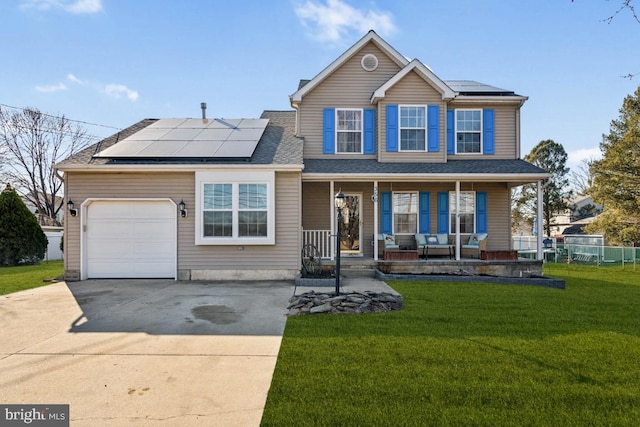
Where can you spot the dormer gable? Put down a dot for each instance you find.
(421, 70)
(370, 37)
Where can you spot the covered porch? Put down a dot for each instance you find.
(457, 210)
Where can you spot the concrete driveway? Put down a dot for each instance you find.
(144, 352)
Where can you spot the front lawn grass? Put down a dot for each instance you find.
(470, 354)
(14, 279)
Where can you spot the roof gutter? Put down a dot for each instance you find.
(439, 177)
(175, 168)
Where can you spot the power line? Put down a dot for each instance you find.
(57, 117)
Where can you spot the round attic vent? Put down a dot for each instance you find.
(369, 62)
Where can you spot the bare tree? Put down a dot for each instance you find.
(34, 142)
(581, 177)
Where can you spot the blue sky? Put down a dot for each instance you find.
(114, 62)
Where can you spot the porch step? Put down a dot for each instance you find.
(350, 271)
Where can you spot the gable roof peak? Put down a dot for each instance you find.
(371, 36)
(424, 71)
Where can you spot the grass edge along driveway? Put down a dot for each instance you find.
(19, 278)
(470, 354)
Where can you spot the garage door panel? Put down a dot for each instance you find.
(99, 249)
(100, 210)
(152, 228)
(163, 269)
(154, 210)
(110, 229)
(145, 250)
(131, 239)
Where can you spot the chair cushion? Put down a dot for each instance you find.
(389, 241)
(421, 239)
(432, 239)
(474, 239)
(443, 238)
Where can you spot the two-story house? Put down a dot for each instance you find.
(237, 199)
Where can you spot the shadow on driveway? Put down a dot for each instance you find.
(163, 306)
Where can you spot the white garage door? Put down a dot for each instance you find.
(131, 239)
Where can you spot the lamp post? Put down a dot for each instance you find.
(340, 202)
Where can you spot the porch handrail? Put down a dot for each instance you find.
(321, 239)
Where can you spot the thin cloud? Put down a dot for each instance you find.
(336, 21)
(51, 88)
(72, 78)
(574, 158)
(73, 6)
(118, 91)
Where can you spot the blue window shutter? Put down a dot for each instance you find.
(481, 212)
(424, 220)
(488, 134)
(329, 131)
(443, 212)
(451, 140)
(433, 128)
(392, 128)
(385, 208)
(369, 131)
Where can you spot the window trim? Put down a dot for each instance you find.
(425, 128)
(337, 131)
(455, 131)
(393, 212)
(452, 194)
(235, 178)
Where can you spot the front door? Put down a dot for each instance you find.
(351, 228)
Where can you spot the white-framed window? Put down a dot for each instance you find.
(348, 130)
(413, 127)
(469, 131)
(405, 212)
(235, 207)
(467, 212)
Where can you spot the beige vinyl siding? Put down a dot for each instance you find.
(181, 186)
(348, 87)
(316, 211)
(498, 209)
(283, 255)
(82, 186)
(317, 204)
(506, 132)
(411, 90)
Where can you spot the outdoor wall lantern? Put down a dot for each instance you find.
(183, 209)
(340, 203)
(71, 208)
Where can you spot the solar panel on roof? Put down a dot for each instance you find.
(191, 138)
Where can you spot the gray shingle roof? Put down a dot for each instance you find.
(462, 167)
(278, 145)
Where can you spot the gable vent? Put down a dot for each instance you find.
(369, 62)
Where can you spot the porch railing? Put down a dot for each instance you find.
(321, 239)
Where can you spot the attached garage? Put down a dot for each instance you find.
(129, 239)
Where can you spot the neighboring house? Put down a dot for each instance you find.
(582, 211)
(45, 220)
(411, 152)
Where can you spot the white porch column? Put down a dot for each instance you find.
(457, 220)
(332, 215)
(540, 254)
(375, 220)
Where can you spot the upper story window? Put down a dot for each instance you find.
(468, 131)
(413, 131)
(348, 130)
